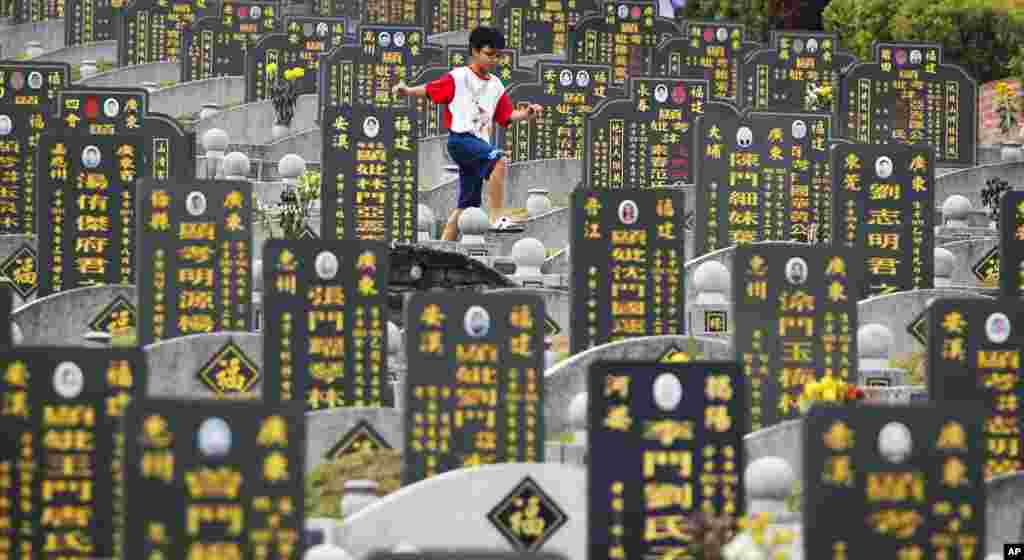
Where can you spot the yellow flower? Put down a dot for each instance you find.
(271, 69)
(811, 390)
(300, 72)
(1002, 89)
(783, 536)
(829, 394)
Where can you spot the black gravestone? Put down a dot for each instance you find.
(761, 177)
(625, 36)
(706, 50)
(62, 460)
(627, 265)
(691, 415)
(884, 208)
(644, 141)
(169, 149)
(568, 93)
(475, 390)
(364, 74)
(90, 21)
(302, 44)
(532, 27)
(777, 78)
(464, 554)
(28, 11)
(197, 238)
(388, 12)
(217, 46)
(1011, 234)
(369, 189)
(908, 95)
(974, 355)
(796, 322)
(326, 313)
(458, 15)
(893, 482)
(151, 30)
(228, 478)
(6, 306)
(28, 100)
(85, 203)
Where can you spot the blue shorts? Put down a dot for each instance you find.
(476, 160)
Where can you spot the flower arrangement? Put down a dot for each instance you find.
(295, 207)
(758, 543)
(1007, 104)
(829, 389)
(283, 91)
(818, 96)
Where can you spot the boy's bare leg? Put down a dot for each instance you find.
(451, 229)
(496, 190)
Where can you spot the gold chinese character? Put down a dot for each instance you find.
(274, 431)
(718, 387)
(717, 418)
(618, 418)
(953, 437)
(838, 470)
(839, 437)
(275, 467)
(954, 323)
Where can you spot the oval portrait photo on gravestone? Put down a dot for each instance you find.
(883, 167)
(6, 126)
(477, 322)
(196, 203)
(68, 380)
(628, 212)
(91, 157)
(997, 328)
(214, 437)
(326, 265)
(796, 271)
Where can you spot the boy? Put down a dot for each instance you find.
(473, 98)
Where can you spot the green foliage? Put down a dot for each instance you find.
(326, 484)
(793, 501)
(916, 364)
(291, 215)
(980, 35)
(760, 16)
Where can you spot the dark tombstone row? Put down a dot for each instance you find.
(625, 37)
(627, 273)
(884, 209)
(197, 238)
(63, 451)
(704, 50)
(90, 21)
(217, 46)
(462, 554)
(909, 95)
(151, 30)
(903, 481)
(458, 15)
(28, 11)
(388, 12)
(778, 78)
(644, 141)
(665, 444)
(568, 93)
(761, 177)
(28, 101)
(796, 321)
(974, 355)
(302, 44)
(227, 478)
(325, 340)
(474, 394)
(1011, 234)
(532, 27)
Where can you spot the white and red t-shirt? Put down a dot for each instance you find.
(471, 102)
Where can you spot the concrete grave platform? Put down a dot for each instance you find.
(252, 123)
(49, 33)
(100, 50)
(967, 253)
(174, 364)
(132, 76)
(63, 319)
(187, 98)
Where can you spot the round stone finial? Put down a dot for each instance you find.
(956, 207)
(874, 341)
(711, 277)
(257, 275)
(944, 262)
(538, 202)
(528, 253)
(236, 164)
(425, 219)
(215, 140)
(578, 412)
(326, 552)
(473, 221)
(769, 478)
(291, 166)
(16, 335)
(394, 339)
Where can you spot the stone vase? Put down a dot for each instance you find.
(357, 495)
(279, 131)
(537, 202)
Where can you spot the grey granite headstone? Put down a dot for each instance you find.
(231, 363)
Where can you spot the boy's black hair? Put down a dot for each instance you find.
(483, 37)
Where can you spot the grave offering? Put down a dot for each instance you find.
(784, 77)
(532, 27)
(325, 339)
(569, 92)
(63, 449)
(1011, 233)
(893, 482)
(89, 21)
(197, 238)
(645, 141)
(305, 39)
(217, 46)
(974, 355)
(467, 354)
(28, 100)
(458, 15)
(884, 209)
(796, 322)
(761, 177)
(151, 30)
(706, 50)
(86, 204)
(625, 37)
(627, 265)
(665, 443)
(909, 95)
(228, 478)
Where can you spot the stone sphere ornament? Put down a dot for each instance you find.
(68, 380)
(668, 391)
(326, 265)
(895, 442)
(6, 125)
(195, 203)
(214, 437)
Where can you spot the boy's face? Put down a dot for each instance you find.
(486, 58)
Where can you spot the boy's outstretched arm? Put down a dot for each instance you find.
(528, 112)
(402, 89)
